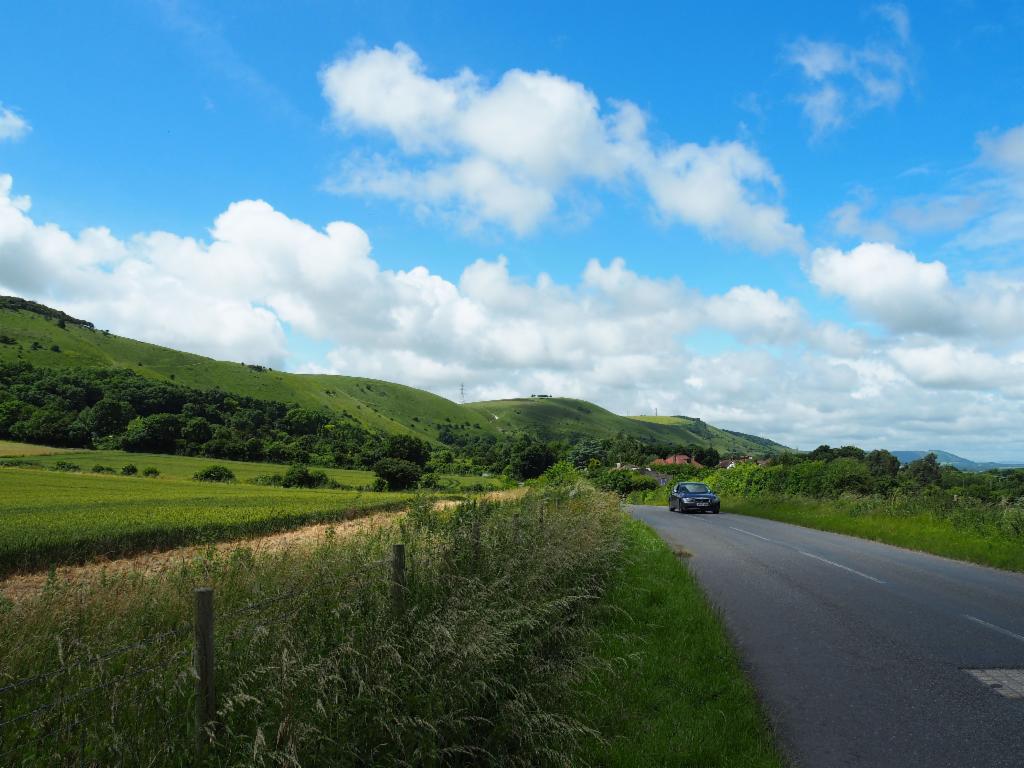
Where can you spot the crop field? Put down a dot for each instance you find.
(184, 467)
(8, 448)
(48, 518)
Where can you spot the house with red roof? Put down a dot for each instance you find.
(679, 458)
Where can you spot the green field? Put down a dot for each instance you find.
(184, 467)
(373, 404)
(8, 448)
(49, 518)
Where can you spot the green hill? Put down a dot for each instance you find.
(951, 459)
(48, 338)
(382, 405)
(562, 418)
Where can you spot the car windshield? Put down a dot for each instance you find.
(693, 488)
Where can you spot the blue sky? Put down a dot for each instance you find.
(783, 184)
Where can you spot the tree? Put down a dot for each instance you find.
(304, 421)
(407, 447)
(528, 458)
(709, 457)
(109, 416)
(585, 451)
(197, 430)
(397, 474)
(821, 453)
(925, 471)
(157, 433)
(883, 466)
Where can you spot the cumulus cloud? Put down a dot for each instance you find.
(949, 366)
(844, 80)
(509, 153)
(262, 272)
(906, 295)
(625, 340)
(12, 125)
(887, 284)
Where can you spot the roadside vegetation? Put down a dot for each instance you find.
(973, 516)
(680, 697)
(522, 631)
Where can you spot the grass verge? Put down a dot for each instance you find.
(681, 699)
(973, 540)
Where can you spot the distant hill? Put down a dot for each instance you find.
(563, 418)
(951, 459)
(376, 405)
(48, 338)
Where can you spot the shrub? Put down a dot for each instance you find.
(151, 472)
(129, 470)
(300, 476)
(99, 469)
(560, 473)
(623, 483)
(65, 466)
(215, 473)
(397, 474)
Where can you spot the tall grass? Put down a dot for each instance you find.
(314, 664)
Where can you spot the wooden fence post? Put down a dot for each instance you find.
(398, 578)
(203, 660)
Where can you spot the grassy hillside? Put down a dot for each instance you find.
(49, 339)
(375, 404)
(565, 418)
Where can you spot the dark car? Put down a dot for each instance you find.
(693, 497)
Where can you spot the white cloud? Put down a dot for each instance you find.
(898, 16)
(511, 152)
(984, 209)
(844, 80)
(757, 315)
(616, 337)
(12, 125)
(888, 285)
(949, 366)
(1004, 151)
(849, 220)
(909, 296)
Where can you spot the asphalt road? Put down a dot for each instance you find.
(858, 649)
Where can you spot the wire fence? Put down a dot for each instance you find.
(67, 696)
